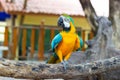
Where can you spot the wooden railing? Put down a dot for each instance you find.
(16, 35)
(6, 36)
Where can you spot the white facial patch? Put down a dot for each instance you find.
(66, 22)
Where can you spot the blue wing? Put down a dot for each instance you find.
(56, 40)
(81, 42)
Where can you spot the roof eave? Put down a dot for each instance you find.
(40, 13)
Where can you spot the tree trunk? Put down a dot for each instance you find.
(89, 13)
(115, 18)
(37, 71)
(100, 47)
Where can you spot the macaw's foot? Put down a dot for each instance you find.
(65, 64)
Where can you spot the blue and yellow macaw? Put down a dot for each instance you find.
(64, 43)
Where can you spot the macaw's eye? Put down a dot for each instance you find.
(66, 20)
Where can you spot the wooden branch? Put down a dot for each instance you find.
(37, 70)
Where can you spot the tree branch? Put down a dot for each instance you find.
(36, 70)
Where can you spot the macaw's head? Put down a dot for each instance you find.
(64, 22)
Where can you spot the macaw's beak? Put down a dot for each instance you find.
(64, 23)
(60, 22)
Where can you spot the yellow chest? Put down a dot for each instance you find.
(68, 42)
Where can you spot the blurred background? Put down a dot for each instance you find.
(28, 26)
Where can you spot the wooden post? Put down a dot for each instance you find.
(41, 42)
(52, 31)
(20, 31)
(11, 38)
(14, 41)
(32, 43)
(6, 40)
(24, 37)
(91, 34)
(83, 37)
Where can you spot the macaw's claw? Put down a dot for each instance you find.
(65, 65)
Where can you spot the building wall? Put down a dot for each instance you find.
(52, 20)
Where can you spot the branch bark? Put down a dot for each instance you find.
(101, 46)
(33, 70)
(115, 18)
